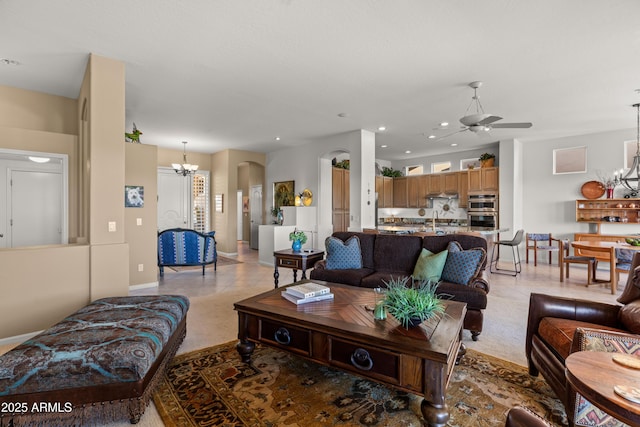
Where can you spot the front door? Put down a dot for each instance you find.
(174, 201)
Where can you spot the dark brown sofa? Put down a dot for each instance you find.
(560, 326)
(387, 255)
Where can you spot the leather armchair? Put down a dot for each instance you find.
(521, 417)
(559, 326)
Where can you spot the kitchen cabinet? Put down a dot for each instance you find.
(450, 182)
(609, 211)
(340, 199)
(415, 191)
(384, 188)
(400, 195)
(463, 189)
(435, 184)
(483, 180)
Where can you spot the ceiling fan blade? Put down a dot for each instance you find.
(489, 120)
(448, 135)
(512, 125)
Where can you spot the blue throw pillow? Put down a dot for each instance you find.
(461, 265)
(343, 255)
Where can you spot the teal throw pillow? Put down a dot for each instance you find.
(429, 265)
(461, 265)
(343, 255)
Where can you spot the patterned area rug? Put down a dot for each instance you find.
(212, 387)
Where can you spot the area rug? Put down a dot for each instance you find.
(212, 387)
(222, 261)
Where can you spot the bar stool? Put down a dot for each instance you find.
(514, 243)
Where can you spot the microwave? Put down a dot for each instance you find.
(482, 203)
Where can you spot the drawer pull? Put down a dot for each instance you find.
(282, 336)
(361, 359)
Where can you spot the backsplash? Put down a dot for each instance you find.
(447, 210)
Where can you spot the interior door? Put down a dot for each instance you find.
(174, 201)
(36, 208)
(255, 209)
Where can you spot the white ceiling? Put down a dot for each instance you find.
(236, 74)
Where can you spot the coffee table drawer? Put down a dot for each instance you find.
(368, 361)
(283, 335)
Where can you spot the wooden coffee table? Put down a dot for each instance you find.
(342, 333)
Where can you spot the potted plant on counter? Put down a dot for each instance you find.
(412, 304)
(487, 160)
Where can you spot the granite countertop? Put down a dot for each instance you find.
(440, 229)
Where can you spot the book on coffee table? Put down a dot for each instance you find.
(308, 290)
(299, 300)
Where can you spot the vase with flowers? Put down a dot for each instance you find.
(610, 182)
(298, 238)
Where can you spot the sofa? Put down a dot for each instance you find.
(559, 326)
(181, 247)
(96, 366)
(389, 255)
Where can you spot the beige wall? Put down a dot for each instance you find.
(141, 170)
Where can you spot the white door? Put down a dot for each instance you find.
(36, 208)
(174, 201)
(255, 208)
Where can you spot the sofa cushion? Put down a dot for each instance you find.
(429, 265)
(396, 254)
(379, 279)
(351, 277)
(559, 333)
(476, 298)
(367, 241)
(437, 244)
(629, 316)
(462, 265)
(343, 255)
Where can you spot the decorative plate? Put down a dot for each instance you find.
(307, 197)
(629, 393)
(628, 360)
(421, 212)
(592, 189)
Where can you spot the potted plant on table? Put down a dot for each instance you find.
(487, 160)
(412, 304)
(298, 238)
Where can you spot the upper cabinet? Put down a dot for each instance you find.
(483, 180)
(400, 196)
(384, 188)
(463, 189)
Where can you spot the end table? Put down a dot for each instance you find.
(302, 260)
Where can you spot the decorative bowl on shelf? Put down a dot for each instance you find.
(592, 189)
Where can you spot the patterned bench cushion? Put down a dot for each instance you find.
(112, 340)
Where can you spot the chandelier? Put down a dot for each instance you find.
(632, 179)
(185, 168)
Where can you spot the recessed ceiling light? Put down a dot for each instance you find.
(431, 136)
(407, 152)
(382, 128)
(7, 61)
(383, 146)
(343, 115)
(454, 145)
(39, 159)
(444, 124)
(277, 138)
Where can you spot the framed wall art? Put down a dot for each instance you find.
(570, 160)
(283, 194)
(133, 196)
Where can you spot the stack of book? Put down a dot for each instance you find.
(307, 292)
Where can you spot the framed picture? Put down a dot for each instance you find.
(283, 194)
(218, 200)
(569, 160)
(469, 164)
(245, 204)
(133, 196)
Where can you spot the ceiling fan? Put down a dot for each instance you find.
(480, 121)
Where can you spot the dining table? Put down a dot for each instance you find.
(603, 249)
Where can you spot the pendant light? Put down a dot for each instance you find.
(185, 168)
(632, 179)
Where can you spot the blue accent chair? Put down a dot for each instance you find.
(180, 247)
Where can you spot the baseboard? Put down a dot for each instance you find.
(18, 338)
(143, 286)
(228, 254)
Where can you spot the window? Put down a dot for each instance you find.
(200, 196)
(440, 167)
(414, 170)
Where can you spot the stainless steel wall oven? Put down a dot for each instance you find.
(482, 210)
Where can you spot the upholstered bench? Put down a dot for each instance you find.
(98, 365)
(181, 247)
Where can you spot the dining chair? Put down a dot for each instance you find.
(565, 260)
(539, 242)
(514, 244)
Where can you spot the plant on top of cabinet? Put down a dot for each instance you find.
(386, 171)
(487, 160)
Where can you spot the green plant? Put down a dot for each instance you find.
(298, 235)
(343, 164)
(409, 302)
(387, 171)
(487, 156)
(274, 211)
